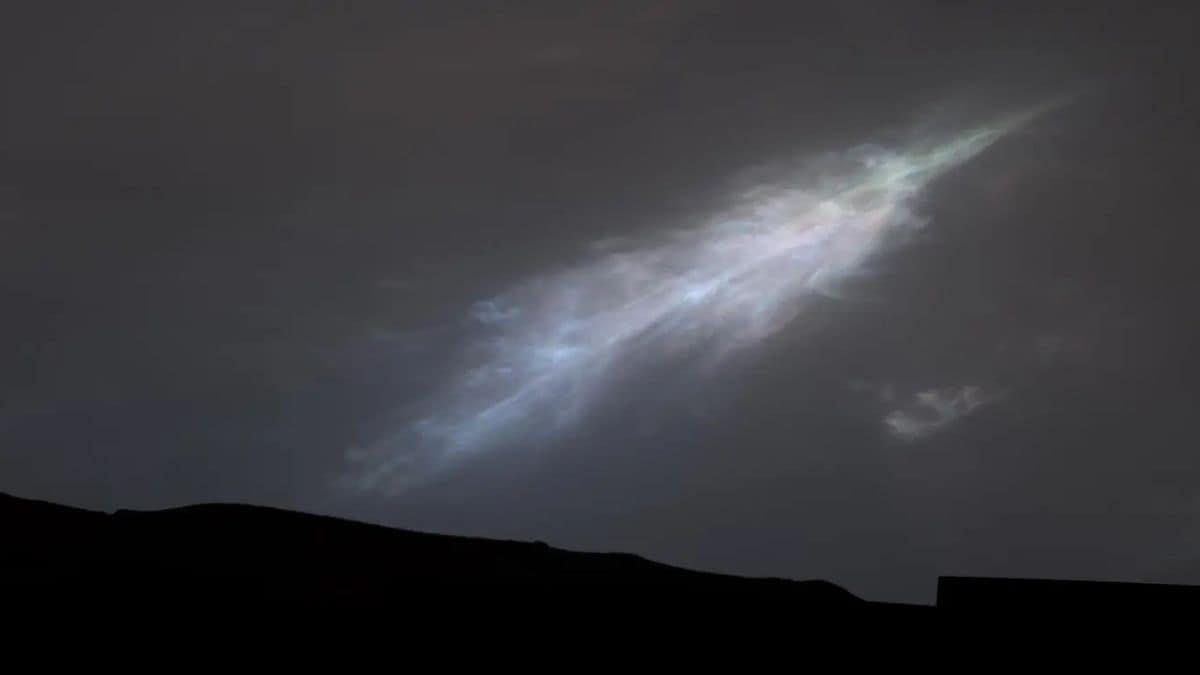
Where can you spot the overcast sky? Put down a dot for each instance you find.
(236, 244)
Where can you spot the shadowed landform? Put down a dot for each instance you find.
(228, 555)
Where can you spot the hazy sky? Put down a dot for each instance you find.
(237, 246)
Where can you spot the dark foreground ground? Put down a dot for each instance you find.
(233, 556)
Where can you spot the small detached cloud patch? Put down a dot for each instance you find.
(931, 410)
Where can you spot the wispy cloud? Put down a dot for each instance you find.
(548, 347)
(931, 410)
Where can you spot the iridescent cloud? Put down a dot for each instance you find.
(549, 346)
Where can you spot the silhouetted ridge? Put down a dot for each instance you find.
(216, 553)
(225, 556)
(1050, 596)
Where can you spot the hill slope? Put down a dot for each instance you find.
(221, 554)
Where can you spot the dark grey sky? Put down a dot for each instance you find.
(234, 242)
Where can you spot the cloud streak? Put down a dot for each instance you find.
(548, 347)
